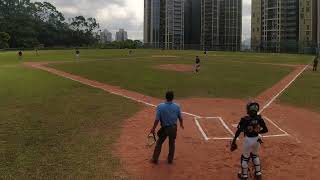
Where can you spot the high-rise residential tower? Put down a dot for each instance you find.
(256, 25)
(210, 17)
(193, 24)
(172, 24)
(164, 24)
(284, 25)
(308, 25)
(152, 23)
(221, 24)
(230, 24)
(318, 30)
(106, 36)
(121, 35)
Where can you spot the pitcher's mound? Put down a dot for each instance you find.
(176, 67)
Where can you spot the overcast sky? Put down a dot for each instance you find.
(127, 14)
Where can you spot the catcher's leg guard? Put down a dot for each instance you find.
(244, 166)
(257, 164)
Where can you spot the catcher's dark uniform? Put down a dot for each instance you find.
(251, 126)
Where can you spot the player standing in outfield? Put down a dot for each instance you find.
(206, 52)
(77, 53)
(20, 54)
(168, 114)
(252, 126)
(130, 52)
(197, 66)
(315, 63)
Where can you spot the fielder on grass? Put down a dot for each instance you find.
(168, 114)
(20, 55)
(315, 63)
(197, 65)
(252, 126)
(77, 53)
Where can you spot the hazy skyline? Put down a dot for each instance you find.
(126, 14)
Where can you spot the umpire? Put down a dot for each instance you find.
(168, 114)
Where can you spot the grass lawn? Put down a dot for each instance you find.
(53, 128)
(305, 92)
(217, 78)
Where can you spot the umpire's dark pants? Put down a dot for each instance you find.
(163, 133)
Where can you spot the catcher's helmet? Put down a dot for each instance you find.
(253, 107)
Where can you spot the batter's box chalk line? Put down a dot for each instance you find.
(224, 124)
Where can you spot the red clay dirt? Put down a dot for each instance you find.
(292, 157)
(176, 67)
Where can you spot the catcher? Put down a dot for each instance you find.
(252, 126)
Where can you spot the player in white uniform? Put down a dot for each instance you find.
(252, 126)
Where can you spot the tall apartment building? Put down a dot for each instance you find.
(152, 23)
(283, 25)
(106, 36)
(192, 24)
(308, 25)
(205, 24)
(256, 25)
(221, 24)
(172, 24)
(318, 27)
(164, 24)
(121, 35)
(231, 24)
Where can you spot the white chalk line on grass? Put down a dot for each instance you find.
(111, 92)
(186, 113)
(279, 93)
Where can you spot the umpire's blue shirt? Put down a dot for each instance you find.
(168, 113)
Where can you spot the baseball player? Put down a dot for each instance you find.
(37, 51)
(77, 53)
(197, 66)
(205, 52)
(252, 126)
(20, 55)
(315, 63)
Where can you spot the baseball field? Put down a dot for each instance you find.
(63, 117)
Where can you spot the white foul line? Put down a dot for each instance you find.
(277, 95)
(273, 123)
(190, 114)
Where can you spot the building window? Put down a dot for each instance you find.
(307, 9)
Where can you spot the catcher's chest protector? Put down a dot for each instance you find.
(251, 126)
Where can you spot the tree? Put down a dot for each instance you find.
(4, 38)
(32, 23)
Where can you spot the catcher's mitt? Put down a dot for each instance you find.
(233, 147)
(151, 140)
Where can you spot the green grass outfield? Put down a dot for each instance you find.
(217, 78)
(54, 128)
